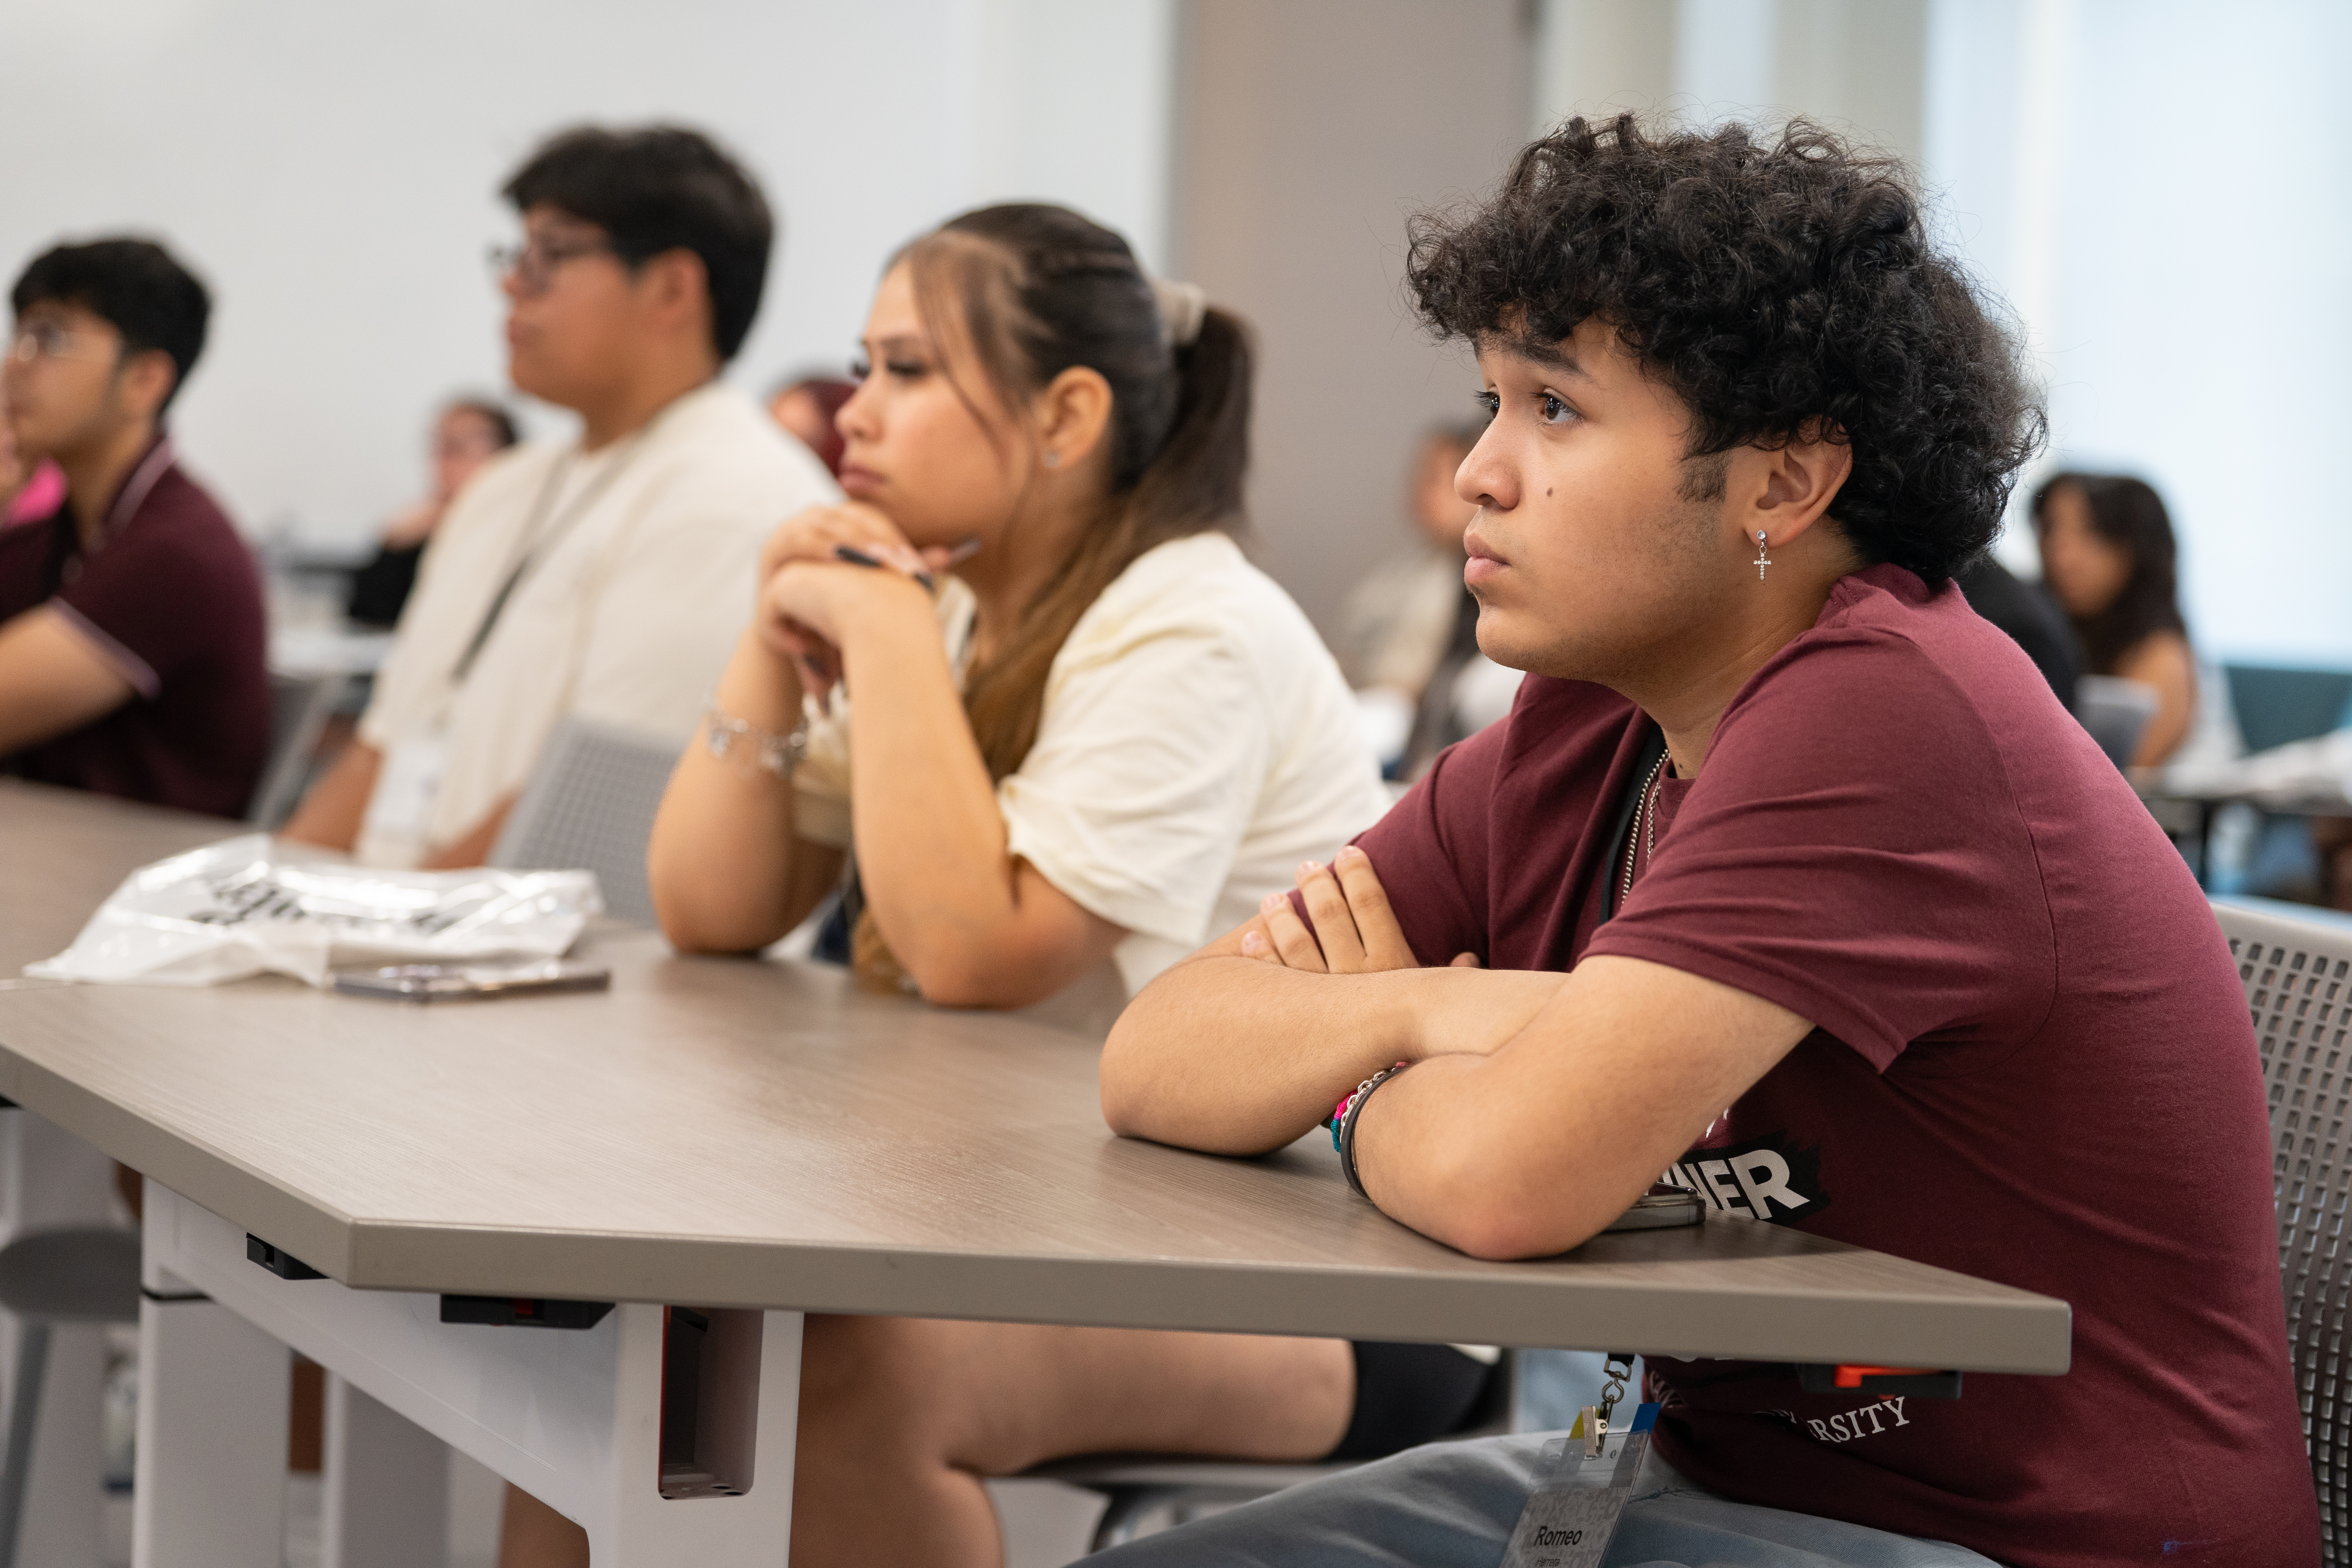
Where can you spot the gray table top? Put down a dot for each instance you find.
(732, 1133)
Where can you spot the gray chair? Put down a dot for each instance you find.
(2117, 713)
(1136, 1486)
(2297, 964)
(590, 805)
(300, 707)
(82, 1274)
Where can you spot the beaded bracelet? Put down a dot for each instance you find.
(1343, 1125)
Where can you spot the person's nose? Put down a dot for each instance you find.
(1485, 478)
(859, 419)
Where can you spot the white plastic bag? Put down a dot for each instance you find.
(238, 908)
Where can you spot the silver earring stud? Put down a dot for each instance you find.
(1052, 458)
(1763, 558)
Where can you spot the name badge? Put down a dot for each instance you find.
(1572, 1514)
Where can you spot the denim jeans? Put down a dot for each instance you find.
(1454, 1505)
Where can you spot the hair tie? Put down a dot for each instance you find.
(1181, 307)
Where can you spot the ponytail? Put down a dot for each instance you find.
(1192, 485)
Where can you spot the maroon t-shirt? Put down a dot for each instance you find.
(2033, 1064)
(169, 597)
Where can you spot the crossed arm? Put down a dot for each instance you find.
(1537, 1107)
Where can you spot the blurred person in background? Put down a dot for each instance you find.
(467, 433)
(2109, 557)
(806, 406)
(600, 576)
(1402, 635)
(132, 638)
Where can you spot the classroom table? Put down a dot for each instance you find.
(752, 1140)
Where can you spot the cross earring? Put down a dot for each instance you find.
(1763, 558)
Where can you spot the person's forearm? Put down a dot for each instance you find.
(1231, 1055)
(932, 853)
(1539, 1144)
(331, 812)
(722, 864)
(1442, 1149)
(53, 679)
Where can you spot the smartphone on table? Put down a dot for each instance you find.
(473, 980)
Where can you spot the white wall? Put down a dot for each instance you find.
(2164, 190)
(1853, 63)
(332, 170)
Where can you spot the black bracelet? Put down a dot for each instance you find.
(1347, 1129)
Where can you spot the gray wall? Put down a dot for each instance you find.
(1307, 130)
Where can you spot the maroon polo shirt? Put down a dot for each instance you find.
(169, 597)
(2032, 1063)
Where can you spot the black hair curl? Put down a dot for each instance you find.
(1772, 288)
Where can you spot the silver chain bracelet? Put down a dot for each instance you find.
(770, 752)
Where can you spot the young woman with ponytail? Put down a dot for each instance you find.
(1104, 737)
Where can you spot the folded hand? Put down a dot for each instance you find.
(1355, 928)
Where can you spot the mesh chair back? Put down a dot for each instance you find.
(2297, 969)
(300, 707)
(2117, 714)
(589, 807)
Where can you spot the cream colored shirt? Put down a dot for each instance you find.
(1197, 743)
(646, 552)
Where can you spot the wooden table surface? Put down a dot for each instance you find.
(734, 1132)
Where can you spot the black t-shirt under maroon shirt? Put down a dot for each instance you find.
(2033, 1064)
(170, 598)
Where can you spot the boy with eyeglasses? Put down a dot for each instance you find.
(603, 577)
(131, 630)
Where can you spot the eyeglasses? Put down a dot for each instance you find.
(47, 339)
(532, 266)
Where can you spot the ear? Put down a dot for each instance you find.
(677, 287)
(1790, 489)
(1071, 415)
(146, 379)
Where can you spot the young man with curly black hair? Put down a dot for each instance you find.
(1777, 823)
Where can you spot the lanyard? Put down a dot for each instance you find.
(1619, 840)
(540, 538)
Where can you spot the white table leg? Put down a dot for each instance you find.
(64, 1494)
(572, 1416)
(386, 1502)
(211, 1486)
(49, 1178)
